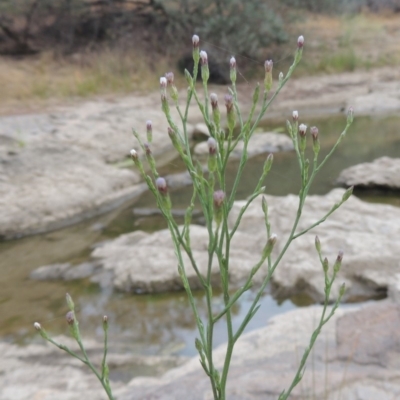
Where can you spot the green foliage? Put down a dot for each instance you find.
(245, 26)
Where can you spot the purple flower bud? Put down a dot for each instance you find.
(147, 148)
(340, 256)
(268, 65)
(70, 317)
(300, 41)
(161, 185)
(37, 326)
(302, 130)
(219, 197)
(228, 103)
(149, 125)
(232, 62)
(133, 153)
(203, 57)
(295, 115)
(214, 100)
(170, 78)
(163, 82)
(314, 132)
(195, 41)
(212, 145)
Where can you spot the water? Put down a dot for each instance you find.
(163, 324)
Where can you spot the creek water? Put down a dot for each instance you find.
(163, 324)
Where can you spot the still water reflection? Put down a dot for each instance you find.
(162, 324)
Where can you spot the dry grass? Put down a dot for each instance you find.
(334, 44)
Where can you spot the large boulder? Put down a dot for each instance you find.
(382, 173)
(352, 359)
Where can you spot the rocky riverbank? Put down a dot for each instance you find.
(59, 168)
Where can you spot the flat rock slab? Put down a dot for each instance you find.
(356, 357)
(44, 372)
(367, 233)
(382, 173)
(265, 361)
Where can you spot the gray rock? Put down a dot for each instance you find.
(260, 143)
(265, 361)
(42, 371)
(200, 132)
(367, 233)
(382, 173)
(65, 272)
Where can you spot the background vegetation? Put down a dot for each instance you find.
(61, 48)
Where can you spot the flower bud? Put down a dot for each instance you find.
(325, 265)
(228, 103)
(133, 153)
(350, 115)
(300, 41)
(338, 262)
(149, 131)
(214, 100)
(195, 41)
(70, 317)
(347, 194)
(268, 75)
(314, 132)
(219, 197)
(280, 77)
(37, 326)
(232, 63)
(215, 109)
(70, 303)
(105, 323)
(161, 185)
(212, 145)
(295, 115)
(302, 130)
(342, 290)
(203, 57)
(170, 78)
(269, 246)
(268, 163)
(317, 244)
(163, 82)
(231, 112)
(268, 65)
(205, 72)
(147, 148)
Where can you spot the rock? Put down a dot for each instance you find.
(382, 173)
(42, 371)
(265, 361)
(65, 272)
(150, 264)
(56, 168)
(267, 142)
(200, 132)
(367, 233)
(72, 185)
